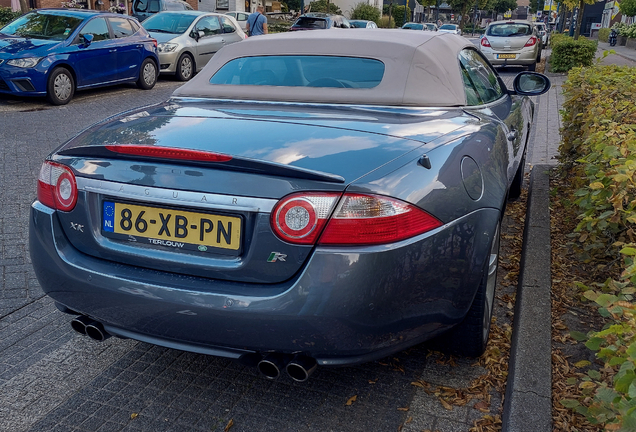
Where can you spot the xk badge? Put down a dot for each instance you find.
(77, 227)
(276, 256)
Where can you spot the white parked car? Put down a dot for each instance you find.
(240, 17)
(450, 28)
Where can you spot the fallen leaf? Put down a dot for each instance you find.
(229, 425)
(446, 404)
(408, 420)
(403, 409)
(351, 400)
(482, 406)
(134, 416)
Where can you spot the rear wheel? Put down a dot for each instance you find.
(60, 87)
(532, 67)
(470, 337)
(185, 67)
(147, 75)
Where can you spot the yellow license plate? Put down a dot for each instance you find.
(506, 56)
(173, 228)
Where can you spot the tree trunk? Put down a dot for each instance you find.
(579, 19)
(24, 6)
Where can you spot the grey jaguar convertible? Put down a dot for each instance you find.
(313, 198)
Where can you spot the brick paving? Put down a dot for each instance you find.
(55, 380)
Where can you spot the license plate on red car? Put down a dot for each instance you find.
(506, 56)
(179, 229)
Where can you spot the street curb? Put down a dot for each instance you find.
(528, 400)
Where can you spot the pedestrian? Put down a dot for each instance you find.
(257, 23)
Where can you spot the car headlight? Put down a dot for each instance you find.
(24, 62)
(167, 47)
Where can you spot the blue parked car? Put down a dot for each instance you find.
(54, 52)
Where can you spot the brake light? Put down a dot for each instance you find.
(57, 187)
(169, 153)
(371, 219)
(154, 41)
(484, 42)
(358, 219)
(299, 218)
(531, 42)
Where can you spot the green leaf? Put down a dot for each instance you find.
(607, 395)
(579, 336)
(622, 384)
(569, 403)
(628, 251)
(615, 361)
(605, 300)
(594, 343)
(594, 374)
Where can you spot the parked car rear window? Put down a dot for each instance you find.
(413, 26)
(448, 27)
(301, 71)
(166, 22)
(509, 30)
(311, 23)
(121, 27)
(38, 25)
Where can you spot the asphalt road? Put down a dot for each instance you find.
(55, 380)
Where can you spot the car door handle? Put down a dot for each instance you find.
(222, 40)
(512, 135)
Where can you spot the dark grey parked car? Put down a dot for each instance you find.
(257, 216)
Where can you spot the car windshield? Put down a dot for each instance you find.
(311, 23)
(301, 71)
(169, 23)
(447, 27)
(56, 25)
(509, 30)
(413, 26)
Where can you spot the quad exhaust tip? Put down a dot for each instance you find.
(86, 326)
(299, 368)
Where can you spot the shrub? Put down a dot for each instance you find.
(599, 148)
(279, 27)
(365, 11)
(568, 53)
(7, 15)
(628, 7)
(384, 22)
(603, 34)
(468, 28)
(321, 6)
(398, 15)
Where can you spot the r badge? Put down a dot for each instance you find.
(276, 256)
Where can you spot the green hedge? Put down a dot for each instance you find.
(7, 15)
(598, 151)
(603, 34)
(568, 53)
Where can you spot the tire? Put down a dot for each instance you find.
(60, 87)
(517, 183)
(532, 67)
(147, 75)
(185, 67)
(470, 337)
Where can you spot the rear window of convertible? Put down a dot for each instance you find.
(301, 71)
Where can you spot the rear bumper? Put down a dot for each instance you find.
(344, 307)
(523, 57)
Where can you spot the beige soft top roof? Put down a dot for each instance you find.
(421, 68)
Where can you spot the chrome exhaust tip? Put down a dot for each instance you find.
(301, 368)
(96, 331)
(79, 324)
(271, 365)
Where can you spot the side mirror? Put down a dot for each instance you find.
(531, 84)
(200, 34)
(87, 39)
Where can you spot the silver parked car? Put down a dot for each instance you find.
(513, 42)
(187, 40)
(542, 32)
(310, 198)
(362, 24)
(420, 26)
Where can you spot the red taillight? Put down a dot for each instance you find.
(57, 187)
(484, 42)
(299, 218)
(531, 42)
(169, 153)
(370, 219)
(358, 219)
(154, 41)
